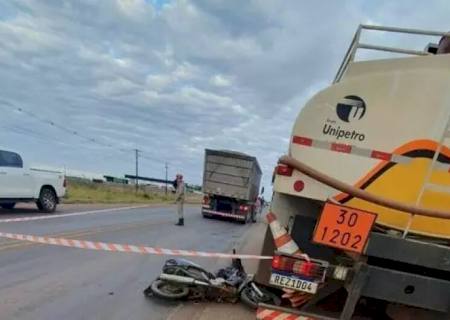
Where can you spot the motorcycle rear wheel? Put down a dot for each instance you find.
(250, 298)
(167, 290)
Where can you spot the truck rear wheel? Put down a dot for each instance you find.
(206, 215)
(47, 200)
(253, 216)
(8, 206)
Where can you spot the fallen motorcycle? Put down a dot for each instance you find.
(183, 279)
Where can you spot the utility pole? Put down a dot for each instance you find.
(167, 167)
(137, 169)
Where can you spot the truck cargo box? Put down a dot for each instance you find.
(231, 174)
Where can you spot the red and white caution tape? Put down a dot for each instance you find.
(53, 216)
(115, 247)
(269, 314)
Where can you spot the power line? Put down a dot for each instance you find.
(15, 129)
(73, 132)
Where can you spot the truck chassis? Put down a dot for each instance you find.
(406, 271)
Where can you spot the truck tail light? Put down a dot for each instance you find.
(276, 262)
(284, 170)
(299, 266)
(243, 207)
(299, 185)
(205, 200)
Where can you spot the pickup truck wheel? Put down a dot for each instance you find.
(8, 206)
(47, 200)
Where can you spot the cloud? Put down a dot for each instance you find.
(220, 81)
(174, 77)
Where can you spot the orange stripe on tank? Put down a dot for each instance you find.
(408, 147)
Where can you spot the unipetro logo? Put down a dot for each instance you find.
(351, 108)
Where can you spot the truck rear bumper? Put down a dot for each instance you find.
(404, 288)
(209, 212)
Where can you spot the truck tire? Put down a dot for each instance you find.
(8, 206)
(47, 200)
(253, 216)
(206, 215)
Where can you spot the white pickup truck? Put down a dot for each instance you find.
(19, 183)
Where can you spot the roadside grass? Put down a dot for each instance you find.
(89, 192)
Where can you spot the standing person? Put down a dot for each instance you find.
(444, 45)
(180, 191)
(258, 205)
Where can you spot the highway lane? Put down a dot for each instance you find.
(48, 282)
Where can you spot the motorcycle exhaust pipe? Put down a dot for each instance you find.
(181, 279)
(258, 292)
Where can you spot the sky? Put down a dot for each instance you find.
(83, 83)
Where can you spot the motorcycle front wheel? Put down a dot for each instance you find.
(167, 290)
(251, 298)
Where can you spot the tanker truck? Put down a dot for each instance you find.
(363, 192)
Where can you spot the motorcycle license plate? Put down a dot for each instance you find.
(292, 282)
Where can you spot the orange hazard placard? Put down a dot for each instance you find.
(344, 228)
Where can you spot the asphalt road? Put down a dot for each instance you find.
(50, 282)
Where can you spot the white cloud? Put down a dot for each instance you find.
(181, 72)
(220, 81)
(137, 9)
(173, 79)
(114, 87)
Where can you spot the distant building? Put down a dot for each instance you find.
(116, 180)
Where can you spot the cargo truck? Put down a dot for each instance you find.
(231, 183)
(364, 191)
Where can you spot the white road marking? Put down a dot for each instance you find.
(81, 213)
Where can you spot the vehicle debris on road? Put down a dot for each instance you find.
(183, 279)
